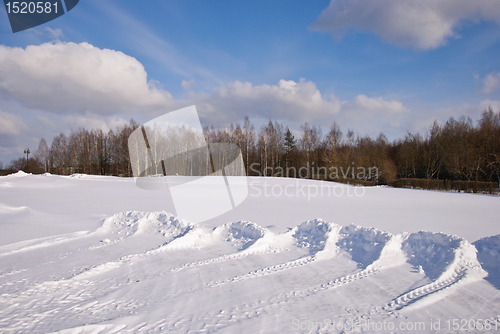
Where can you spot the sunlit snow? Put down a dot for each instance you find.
(89, 254)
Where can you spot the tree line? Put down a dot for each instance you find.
(456, 150)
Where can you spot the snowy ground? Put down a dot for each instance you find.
(88, 254)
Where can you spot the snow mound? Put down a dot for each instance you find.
(312, 234)
(434, 252)
(195, 237)
(362, 243)
(448, 261)
(326, 240)
(18, 174)
(241, 234)
(440, 256)
(130, 223)
(391, 255)
(488, 254)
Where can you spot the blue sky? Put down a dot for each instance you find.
(373, 66)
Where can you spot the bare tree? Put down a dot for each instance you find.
(42, 154)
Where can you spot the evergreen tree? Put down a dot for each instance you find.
(290, 142)
(290, 146)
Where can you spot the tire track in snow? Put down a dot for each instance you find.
(223, 258)
(415, 295)
(389, 255)
(450, 261)
(213, 321)
(257, 308)
(265, 271)
(276, 301)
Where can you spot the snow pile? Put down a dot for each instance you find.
(434, 252)
(187, 235)
(312, 234)
(391, 255)
(195, 237)
(325, 240)
(18, 174)
(130, 223)
(440, 255)
(448, 261)
(241, 234)
(363, 244)
(488, 254)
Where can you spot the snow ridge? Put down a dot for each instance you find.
(440, 256)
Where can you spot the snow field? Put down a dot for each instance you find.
(152, 272)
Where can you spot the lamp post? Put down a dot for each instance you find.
(27, 152)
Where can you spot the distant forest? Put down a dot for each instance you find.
(458, 150)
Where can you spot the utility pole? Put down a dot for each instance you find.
(27, 152)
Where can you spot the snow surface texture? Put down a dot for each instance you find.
(152, 272)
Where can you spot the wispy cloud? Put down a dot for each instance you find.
(53, 33)
(146, 42)
(491, 83)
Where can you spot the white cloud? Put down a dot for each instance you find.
(90, 87)
(474, 111)
(372, 115)
(423, 119)
(79, 79)
(363, 105)
(56, 33)
(68, 77)
(92, 121)
(424, 24)
(296, 102)
(187, 84)
(11, 124)
(491, 83)
(288, 100)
